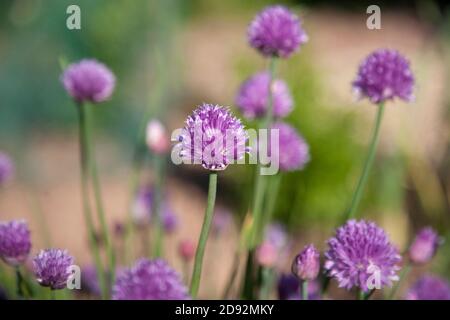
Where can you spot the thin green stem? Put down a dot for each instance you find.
(196, 273)
(92, 163)
(85, 198)
(52, 294)
(156, 210)
(305, 290)
(361, 294)
(267, 282)
(368, 164)
(271, 196)
(19, 283)
(403, 274)
(233, 274)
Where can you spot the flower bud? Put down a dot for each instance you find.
(424, 246)
(186, 250)
(157, 138)
(306, 264)
(266, 254)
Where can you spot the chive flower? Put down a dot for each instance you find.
(384, 75)
(15, 242)
(212, 137)
(306, 265)
(276, 32)
(6, 167)
(424, 246)
(51, 267)
(429, 287)
(358, 251)
(253, 95)
(149, 280)
(88, 81)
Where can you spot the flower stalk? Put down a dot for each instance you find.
(305, 290)
(196, 273)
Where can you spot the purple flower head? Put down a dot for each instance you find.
(293, 151)
(169, 219)
(383, 75)
(429, 288)
(89, 280)
(15, 242)
(6, 167)
(424, 246)
(52, 268)
(276, 32)
(253, 96)
(359, 251)
(212, 137)
(149, 280)
(88, 80)
(221, 221)
(306, 265)
(289, 288)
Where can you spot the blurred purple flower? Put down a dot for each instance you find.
(51, 267)
(424, 246)
(88, 80)
(383, 75)
(186, 250)
(254, 93)
(212, 137)
(89, 280)
(359, 250)
(266, 254)
(306, 265)
(277, 32)
(221, 221)
(6, 167)
(169, 219)
(149, 280)
(15, 242)
(429, 288)
(293, 150)
(289, 288)
(158, 141)
(277, 235)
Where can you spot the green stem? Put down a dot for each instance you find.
(402, 277)
(233, 274)
(196, 273)
(92, 163)
(368, 164)
(19, 283)
(271, 195)
(52, 294)
(156, 210)
(247, 289)
(85, 198)
(361, 294)
(267, 281)
(305, 290)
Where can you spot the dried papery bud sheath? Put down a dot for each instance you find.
(157, 138)
(15, 242)
(266, 254)
(6, 168)
(88, 81)
(429, 287)
(424, 246)
(358, 251)
(52, 268)
(149, 280)
(186, 250)
(212, 137)
(253, 96)
(276, 32)
(293, 151)
(384, 75)
(306, 264)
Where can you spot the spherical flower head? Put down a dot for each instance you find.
(424, 246)
(186, 250)
(252, 98)
(15, 242)
(149, 280)
(6, 167)
(267, 254)
(359, 252)
(293, 151)
(157, 138)
(306, 265)
(384, 75)
(52, 268)
(276, 32)
(88, 81)
(212, 137)
(429, 287)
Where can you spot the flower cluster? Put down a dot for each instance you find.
(15, 242)
(429, 288)
(52, 268)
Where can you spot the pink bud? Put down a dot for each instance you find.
(266, 254)
(186, 249)
(157, 138)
